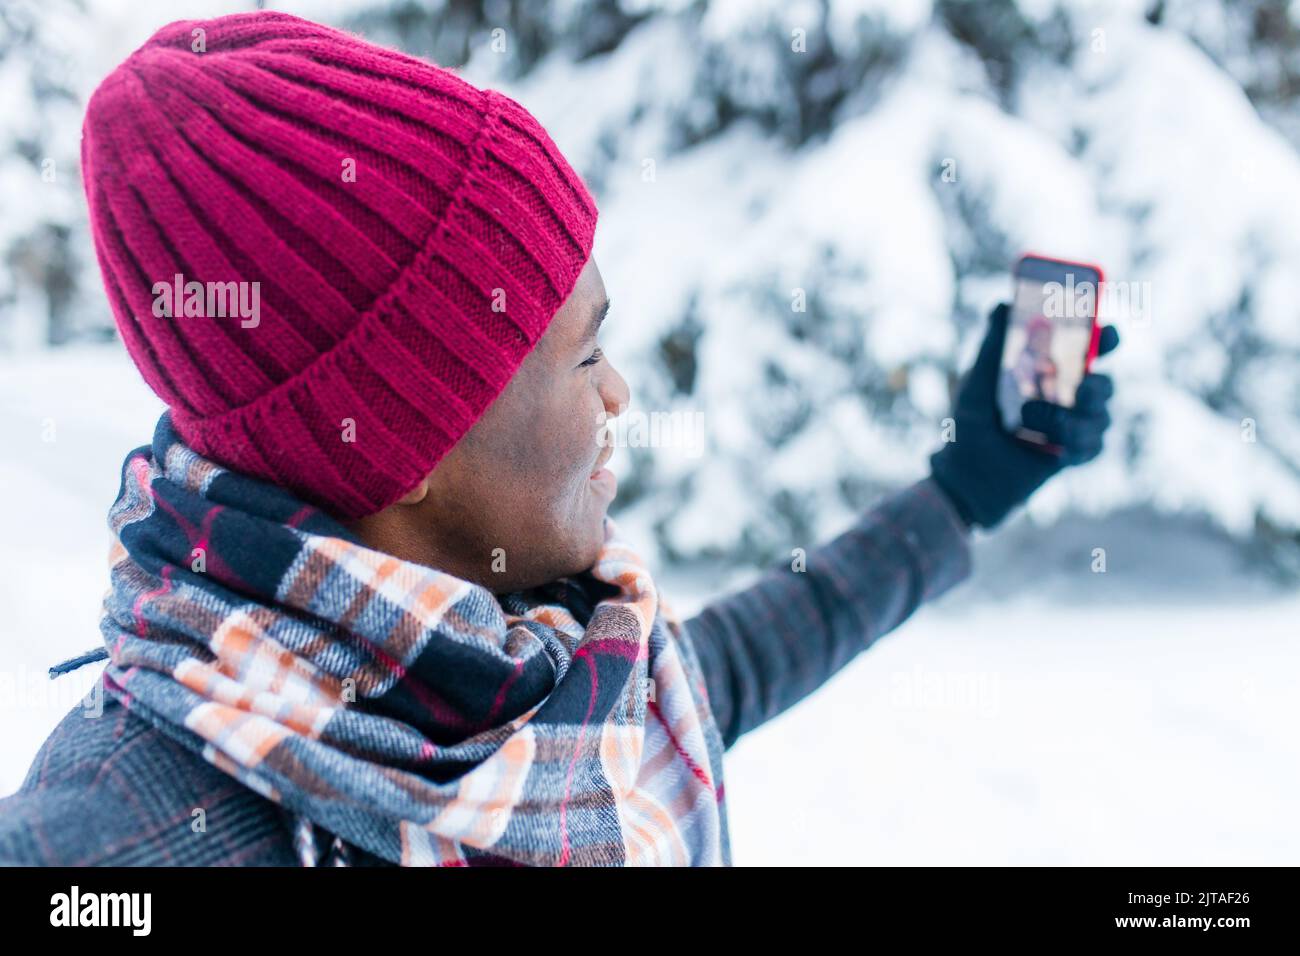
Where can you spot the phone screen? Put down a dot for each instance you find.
(1049, 334)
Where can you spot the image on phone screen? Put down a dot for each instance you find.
(1049, 333)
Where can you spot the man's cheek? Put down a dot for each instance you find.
(573, 438)
(552, 464)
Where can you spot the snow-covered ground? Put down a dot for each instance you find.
(70, 419)
(1030, 729)
(1013, 733)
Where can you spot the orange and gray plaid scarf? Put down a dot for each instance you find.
(400, 709)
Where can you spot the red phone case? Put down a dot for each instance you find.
(1095, 338)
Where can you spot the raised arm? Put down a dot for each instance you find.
(768, 646)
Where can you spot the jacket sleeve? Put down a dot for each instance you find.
(766, 647)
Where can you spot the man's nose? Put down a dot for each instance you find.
(614, 393)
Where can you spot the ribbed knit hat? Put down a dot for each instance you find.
(401, 241)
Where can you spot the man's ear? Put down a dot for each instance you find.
(416, 494)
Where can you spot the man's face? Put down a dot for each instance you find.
(521, 479)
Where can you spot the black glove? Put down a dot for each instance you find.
(987, 471)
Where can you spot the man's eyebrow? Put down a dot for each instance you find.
(597, 316)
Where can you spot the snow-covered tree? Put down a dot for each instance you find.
(809, 207)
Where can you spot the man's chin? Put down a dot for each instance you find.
(590, 553)
(587, 552)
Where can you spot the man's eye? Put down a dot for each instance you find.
(596, 356)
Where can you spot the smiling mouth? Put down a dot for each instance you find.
(606, 454)
(602, 480)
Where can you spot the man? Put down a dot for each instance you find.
(367, 605)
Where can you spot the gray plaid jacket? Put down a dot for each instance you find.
(114, 790)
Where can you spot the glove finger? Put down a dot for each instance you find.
(1093, 392)
(1067, 427)
(1083, 434)
(1046, 417)
(1109, 339)
(980, 387)
(1086, 450)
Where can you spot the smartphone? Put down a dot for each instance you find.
(1051, 340)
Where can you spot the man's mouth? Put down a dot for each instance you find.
(602, 477)
(605, 454)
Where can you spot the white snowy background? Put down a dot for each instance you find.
(1041, 713)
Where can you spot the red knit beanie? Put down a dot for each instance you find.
(326, 257)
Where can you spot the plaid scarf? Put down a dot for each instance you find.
(389, 706)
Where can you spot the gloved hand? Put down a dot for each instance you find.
(987, 471)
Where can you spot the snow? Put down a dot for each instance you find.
(1032, 734)
(71, 417)
(1160, 125)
